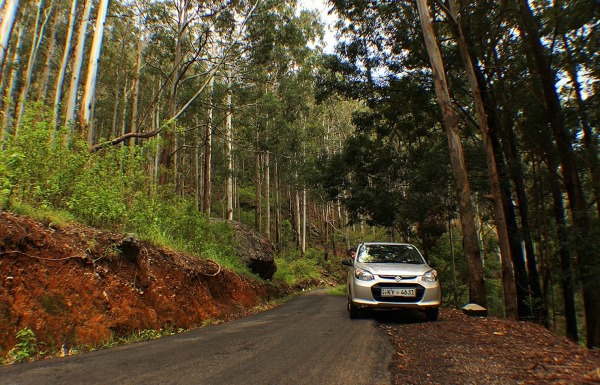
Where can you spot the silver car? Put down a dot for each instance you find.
(384, 275)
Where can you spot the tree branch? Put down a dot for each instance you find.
(211, 74)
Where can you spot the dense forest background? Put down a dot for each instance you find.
(467, 128)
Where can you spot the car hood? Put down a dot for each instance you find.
(394, 268)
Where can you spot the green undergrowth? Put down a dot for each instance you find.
(26, 349)
(51, 176)
(294, 269)
(339, 290)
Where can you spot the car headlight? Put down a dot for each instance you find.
(430, 276)
(363, 275)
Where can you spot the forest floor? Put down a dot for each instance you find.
(458, 349)
(77, 286)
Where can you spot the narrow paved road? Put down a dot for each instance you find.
(309, 340)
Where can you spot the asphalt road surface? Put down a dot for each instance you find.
(309, 340)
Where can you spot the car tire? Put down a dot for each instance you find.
(353, 310)
(432, 314)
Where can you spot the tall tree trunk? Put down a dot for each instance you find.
(229, 148)
(520, 271)
(304, 222)
(539, 308)
(115, 118)
(567, 278)
(8, 21)
(277, 206)
(206, 201)
(528, 287)
(13, 79)
(297, 219)
(525, 283)
(63, 64)
(89, 91)
(463, 190)
(590, 141)
(136, 80)
(123, 130)
(508, 278)
(71, 108)
(586, 256)
(267, 195)
(38, 35)
(45, 78)
(197, 178)
(257, 187)
(169, 145)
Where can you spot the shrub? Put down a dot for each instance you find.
(26, 349)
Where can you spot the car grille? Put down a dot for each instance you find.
(376, 291)
(404, 277)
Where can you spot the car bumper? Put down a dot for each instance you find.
(368, 294)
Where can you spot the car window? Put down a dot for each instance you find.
(389, 254)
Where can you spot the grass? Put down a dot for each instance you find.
(52, 216)
(339, 290)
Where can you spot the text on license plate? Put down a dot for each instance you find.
(398, 292)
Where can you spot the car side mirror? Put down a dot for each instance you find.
(347, 262)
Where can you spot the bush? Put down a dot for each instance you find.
(47, 170)
(293, 268)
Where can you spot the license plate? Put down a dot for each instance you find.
(397, 292)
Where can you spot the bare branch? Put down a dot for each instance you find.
(211, 74)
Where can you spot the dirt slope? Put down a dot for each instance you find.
(77, 285)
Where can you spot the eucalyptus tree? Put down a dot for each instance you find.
(10, 79)
(43, 14)
(60, 79)
(117, 76)
(384, 38)
(194, 72)
(71, 106)
(540, 60)
(87, 103)
(456, 152)
(9, 13)
(281, 64)
(44, 79)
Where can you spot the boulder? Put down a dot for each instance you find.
(256, 251)
(474, 310)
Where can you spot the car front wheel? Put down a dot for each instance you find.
(353, 309)
(432, 314)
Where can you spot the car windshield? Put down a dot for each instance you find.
(389, 254)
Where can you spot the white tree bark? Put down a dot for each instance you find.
(77, 64)
(8, 21)
(45, 78)
(267, 195)
(208, 155)
(12, 88)
(138, 73)
(38, 35)
(63, 64)
(92, 73)
(304, 223)
(229, 148)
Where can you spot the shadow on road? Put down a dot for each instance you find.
(397, 317)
